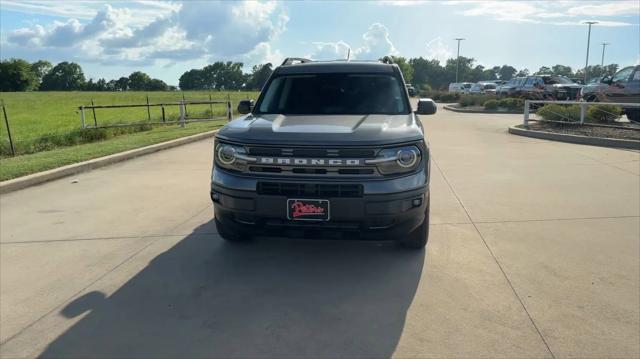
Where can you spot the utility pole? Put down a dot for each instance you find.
(458, 39)
(586, 63)
(604, 44)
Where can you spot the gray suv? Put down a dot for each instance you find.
(329, 148)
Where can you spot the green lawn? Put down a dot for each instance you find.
(45, 126)
(12, 167)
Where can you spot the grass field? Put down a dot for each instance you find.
(46, 126)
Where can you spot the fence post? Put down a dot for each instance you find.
(526, 113)
(6, 121)
(183, 112)
(229, 110)
(210, 105)
(95, 121)
(582, 108)
(185, 106)
(163, 118)
(82, 116)
(148, 111)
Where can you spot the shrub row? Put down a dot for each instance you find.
(506, 103)
(474, 100)
(571, 113)
(440, 96)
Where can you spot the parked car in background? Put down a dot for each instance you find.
(550, 87)
(511, 88)
(461, 87)
(623, 87)
(411, 90)
(483, 88)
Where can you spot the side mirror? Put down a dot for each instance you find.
(245, 106)
(606, 80)
(426, 106)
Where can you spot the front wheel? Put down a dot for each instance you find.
(633, 115)
(417, 239)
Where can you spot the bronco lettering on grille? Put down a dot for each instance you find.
(310, 161)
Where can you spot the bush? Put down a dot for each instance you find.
(440, 96)
(474, 100)
(565, 113)
(511, 103)
(603, 113)
(491, 105)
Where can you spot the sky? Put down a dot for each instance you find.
(110, 39)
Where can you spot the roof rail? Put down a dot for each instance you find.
(291, 60)
(387, 60)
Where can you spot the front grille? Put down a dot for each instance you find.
(313, 153)
(310, 189)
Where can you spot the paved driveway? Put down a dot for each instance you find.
(534, 252)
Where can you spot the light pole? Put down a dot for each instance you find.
(604, 44)
(586, 64)
(458, 39)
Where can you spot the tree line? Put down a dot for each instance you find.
(20, 75)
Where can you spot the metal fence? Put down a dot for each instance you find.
(182, 120)
(583, 108)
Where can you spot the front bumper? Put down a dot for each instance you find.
(387, 208)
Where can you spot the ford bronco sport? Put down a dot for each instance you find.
(328, 147)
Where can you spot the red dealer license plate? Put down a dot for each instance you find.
(308, 209)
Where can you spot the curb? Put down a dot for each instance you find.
(72, 169)
(455, 109)
(583, 140)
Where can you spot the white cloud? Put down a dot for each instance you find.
(376, 43)
(143, 31)
(541, 12)
(330, 50)
(438, 50)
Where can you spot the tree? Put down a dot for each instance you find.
(17, 75)
(157, 85)
(506, 72)
(427, 72)
(40, 68)
(544, 70)
(65, 76)
(224, 76)
(407, 70)
(139, 81)
(259, 75)
(562, 70)
(122, 84)
(523, 73)
(192, 80)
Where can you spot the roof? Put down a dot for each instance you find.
(336, 67)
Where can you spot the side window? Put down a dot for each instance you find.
(636, 76)
(530, 81)
(623, 75)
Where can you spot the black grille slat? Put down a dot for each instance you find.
(309, 189)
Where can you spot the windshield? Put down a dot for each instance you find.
(336, 94)
(557, 80)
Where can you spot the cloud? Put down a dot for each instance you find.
(543, 12)
(438, 50)
(143, 31)
(330, 50)
(376, 43)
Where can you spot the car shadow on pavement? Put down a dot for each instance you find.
(270, 297)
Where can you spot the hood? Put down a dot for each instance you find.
(323, 129)
(565, 86)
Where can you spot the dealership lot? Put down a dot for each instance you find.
(534, 252)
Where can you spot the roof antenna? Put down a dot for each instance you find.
(348, 54)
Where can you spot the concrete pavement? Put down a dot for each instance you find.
(534, 252)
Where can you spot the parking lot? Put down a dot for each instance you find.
(534, 252)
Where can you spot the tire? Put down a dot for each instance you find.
(228, 235)
(633, 115)
(417, 239)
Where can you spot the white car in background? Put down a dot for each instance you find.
(483, 88)
(461, 87)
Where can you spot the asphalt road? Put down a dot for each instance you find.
(534, 252)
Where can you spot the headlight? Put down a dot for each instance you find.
(232, 157)
(397, 160)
